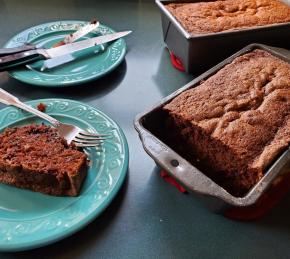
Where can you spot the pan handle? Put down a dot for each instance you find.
(186, 174)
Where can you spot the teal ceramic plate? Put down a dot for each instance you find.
(89, 66)
(29, 219)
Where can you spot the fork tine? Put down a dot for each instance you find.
(96, 143)
(88, 145)
(80, 137)
(89, 134)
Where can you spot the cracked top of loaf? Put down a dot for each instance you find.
(217, 16)
(245, 105)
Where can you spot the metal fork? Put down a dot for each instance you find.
(71, 133)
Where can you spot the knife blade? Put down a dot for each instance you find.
(10, 61)
(61, 60)
(84, 44)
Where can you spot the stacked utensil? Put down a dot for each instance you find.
(59, 54)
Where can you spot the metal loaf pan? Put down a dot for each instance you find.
(151, 128)
(200, 52)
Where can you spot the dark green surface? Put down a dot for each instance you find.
(149, 218)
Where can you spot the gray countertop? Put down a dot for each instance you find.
(149, 218)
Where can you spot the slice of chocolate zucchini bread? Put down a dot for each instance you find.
(35, 157)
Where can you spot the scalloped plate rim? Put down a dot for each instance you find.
(15, 73)
(27, 245)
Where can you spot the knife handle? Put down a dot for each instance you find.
(11, 61)
(8, 51)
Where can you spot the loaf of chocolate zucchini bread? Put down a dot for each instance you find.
(236, 122)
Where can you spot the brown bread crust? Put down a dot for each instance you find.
(217, 16)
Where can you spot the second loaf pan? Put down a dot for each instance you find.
(200, 52)
(151, 128)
